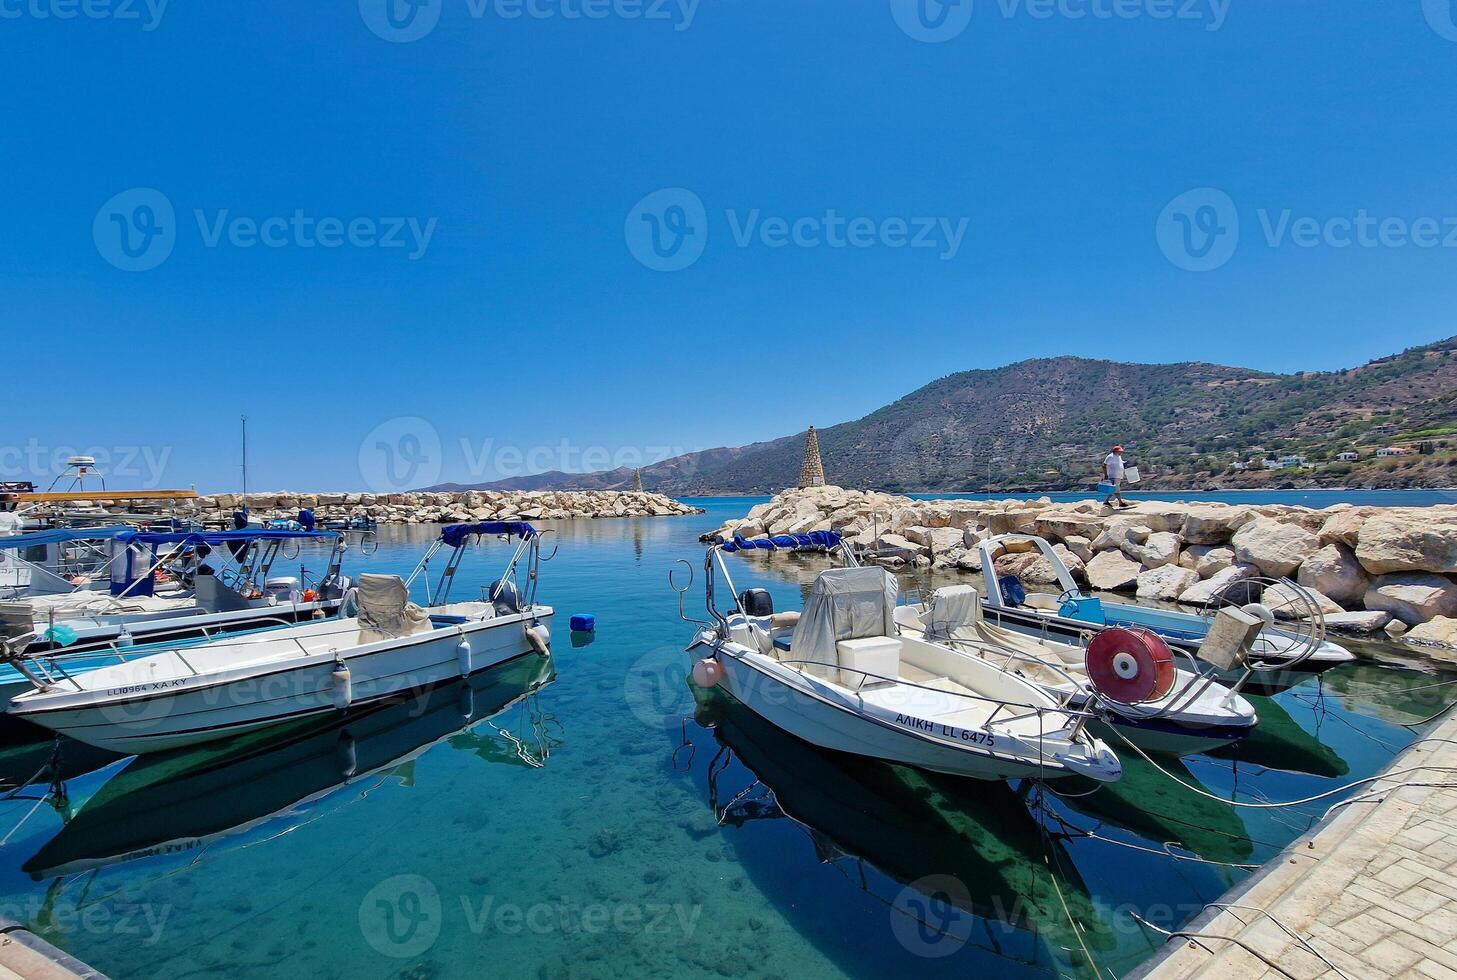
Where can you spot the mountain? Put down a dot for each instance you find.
(1046, 423)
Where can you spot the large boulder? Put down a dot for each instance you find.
(1202, 592)
(1120, 531)
(1409, 541)
(1276, 549)
(1166, 582)
(1061, 525)
(1010, 521)
(1343, 527)
(1112, 571)
(1335, 572)
(1358, 622)
(1413, 597)
(1079, 546)
(1157, 550)
(1438, 632)
(1287, 603)
(1159, 516)
(1214, 523)
(1210, 559)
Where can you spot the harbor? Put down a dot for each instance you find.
(676, 831)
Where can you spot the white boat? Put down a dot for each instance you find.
(1280, 658)
(843, 677)
(193, 694)
(156, 587)
(1189, 712)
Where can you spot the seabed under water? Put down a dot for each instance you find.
(587, 815)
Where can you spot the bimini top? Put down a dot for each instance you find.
(60, 535)
(781, 542)
(133, 536)
(455, 535)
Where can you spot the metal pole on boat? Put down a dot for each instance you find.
(244, 420)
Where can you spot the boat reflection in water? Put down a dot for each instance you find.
(180, 802)
(976, 866)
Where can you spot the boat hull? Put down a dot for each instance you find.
(207, 707)
(817, 719)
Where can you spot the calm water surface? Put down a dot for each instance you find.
(587, 816)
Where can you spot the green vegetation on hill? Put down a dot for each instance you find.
(1047, 423)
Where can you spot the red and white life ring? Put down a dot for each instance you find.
(1130, 666)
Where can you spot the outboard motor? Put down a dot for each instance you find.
(507, 599)
(756, 602)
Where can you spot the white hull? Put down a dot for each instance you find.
(825, 715)
(142, 715)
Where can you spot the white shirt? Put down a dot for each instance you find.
(1114, 462)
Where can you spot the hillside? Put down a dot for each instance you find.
(1046, 423)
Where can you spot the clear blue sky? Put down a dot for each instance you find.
(525, 144)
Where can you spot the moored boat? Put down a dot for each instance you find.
(193, 694)
(842, 676)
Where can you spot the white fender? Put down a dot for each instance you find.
(463, 653)
(539, 637)
(343, 685)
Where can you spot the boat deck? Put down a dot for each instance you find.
(1372, 891)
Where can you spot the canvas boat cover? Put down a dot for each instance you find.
(952, 609)
(844, 604)
(385, 607)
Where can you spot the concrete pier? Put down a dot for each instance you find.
(1372, 890)
(24, 954)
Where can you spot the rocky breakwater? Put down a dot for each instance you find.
(1371, 568)
(431, 507)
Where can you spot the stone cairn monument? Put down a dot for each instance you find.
(637, 480)
(811, 471)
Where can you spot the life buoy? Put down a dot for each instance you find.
(1130, 666)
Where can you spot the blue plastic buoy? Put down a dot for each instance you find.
(584, 624)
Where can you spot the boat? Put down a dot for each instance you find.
(157, 587)
(1188, 712)
(1280, 659)
(186, 695)
(843, 677)
(182, 802)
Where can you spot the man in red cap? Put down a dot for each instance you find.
(1113, 473)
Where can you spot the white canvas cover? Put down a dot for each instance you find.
(385, 606)
(952, 608)
(844, 604)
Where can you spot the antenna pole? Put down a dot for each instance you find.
(244, 419)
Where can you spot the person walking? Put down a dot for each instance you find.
(1113, 473)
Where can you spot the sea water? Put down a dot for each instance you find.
(587, 815)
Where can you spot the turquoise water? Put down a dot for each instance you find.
(586, 816)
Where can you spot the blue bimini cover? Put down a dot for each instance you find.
(455, 535)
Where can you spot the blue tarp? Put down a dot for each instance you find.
(58, 535)
(455, 535)
(785, 542)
